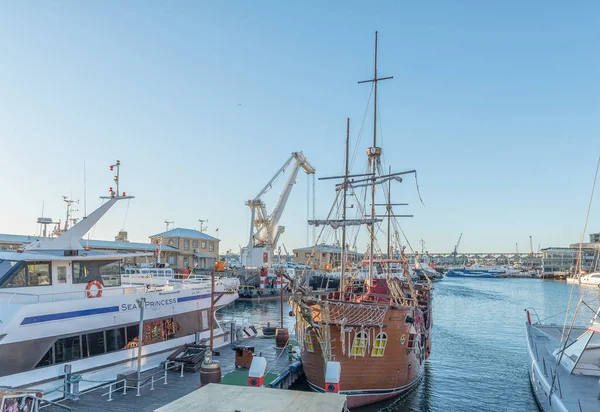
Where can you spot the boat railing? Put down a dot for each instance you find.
(33, 298)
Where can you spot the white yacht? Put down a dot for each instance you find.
(588, 279)
(62, 304)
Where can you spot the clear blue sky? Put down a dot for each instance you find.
(496, 104)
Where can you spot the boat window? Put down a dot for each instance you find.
(38, 274)
(46, 360)
(61, 274)
(93, 344)
(6, 265)
(106, 272)
(132, 336)
(359, 345)
(67, 349)
(32, 274)
(18, 280)
(379, 344)
(308, 341)
(115, 339)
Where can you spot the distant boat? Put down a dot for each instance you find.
(480, 271)
(589, 279)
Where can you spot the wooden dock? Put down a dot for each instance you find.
(157, 394)
(227, 398)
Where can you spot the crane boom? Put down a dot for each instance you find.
(264, 229)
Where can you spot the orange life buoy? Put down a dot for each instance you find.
(98, 291)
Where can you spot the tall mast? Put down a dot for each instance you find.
(345, 188)
(374, 154)
(389, 212)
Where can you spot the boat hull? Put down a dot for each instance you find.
(452, 274)
(356, 399)
(368, 379)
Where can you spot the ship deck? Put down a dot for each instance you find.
(178, 387)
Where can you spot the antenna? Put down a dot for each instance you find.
(84, 192)
(202, 222)
(167, 223)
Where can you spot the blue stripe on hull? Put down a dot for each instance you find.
(187, 298)
(89, 312)
(68, 315)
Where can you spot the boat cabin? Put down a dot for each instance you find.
(32, 277)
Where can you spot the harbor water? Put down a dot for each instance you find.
(479, 358)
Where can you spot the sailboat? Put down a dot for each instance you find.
(370, 339)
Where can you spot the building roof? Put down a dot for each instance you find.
(94, 244)
(185, 233)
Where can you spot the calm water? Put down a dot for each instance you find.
(479, 360)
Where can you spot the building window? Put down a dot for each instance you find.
(308, 342)
(307, 255)
(195, 244)
(359, 346)
(211, 247)
(186, 245)
(379, 345)
(203, 244)
(296, 254)
(186, 261)
(171, 260)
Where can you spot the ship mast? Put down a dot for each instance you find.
(345, 189)
(374, 154)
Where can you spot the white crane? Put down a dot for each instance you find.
(455, 253)
(264, 232)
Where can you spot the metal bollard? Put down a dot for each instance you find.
(166, 370)
(124, 387)
(152, 384)
(138, 388)
(181, 374)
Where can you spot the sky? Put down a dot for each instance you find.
(495, 104)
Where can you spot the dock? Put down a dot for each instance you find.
(211, 397)
(166, 387)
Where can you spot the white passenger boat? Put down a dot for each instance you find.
(63, 305)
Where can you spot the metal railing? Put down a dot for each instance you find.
(112, 387)
(34, 298)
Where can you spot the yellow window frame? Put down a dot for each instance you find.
(359, 344)
(379, 344)
(308, 344)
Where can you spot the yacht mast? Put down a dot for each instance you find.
(345, 189)
(374, 154)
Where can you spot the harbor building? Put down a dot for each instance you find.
(562, 261)
(323, 257)
(194, 249)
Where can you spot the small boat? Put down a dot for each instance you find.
(589, 279)
(565, 364)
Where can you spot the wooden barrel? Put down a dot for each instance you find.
(281, 337)
(210, 373)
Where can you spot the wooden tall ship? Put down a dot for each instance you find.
(370, 339)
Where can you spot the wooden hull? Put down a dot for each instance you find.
(368, 379)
